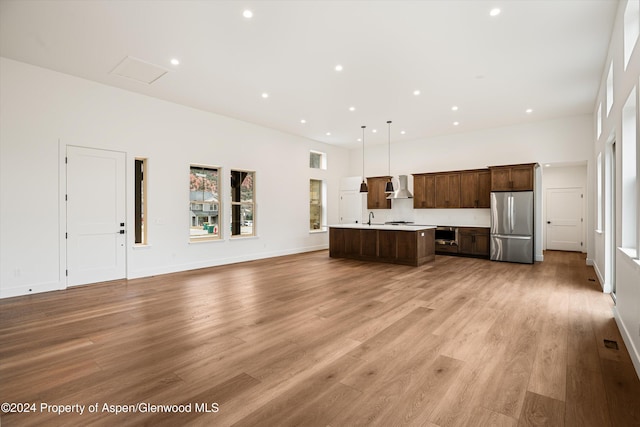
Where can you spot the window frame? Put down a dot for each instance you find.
(241, 203)
(210, 235)
(322, 205)
(140, 209)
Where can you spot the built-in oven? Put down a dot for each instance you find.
(446, 239)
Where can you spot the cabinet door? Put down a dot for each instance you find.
(522, 178)
(469, 189)
(447, 190)
(407, 251)
(482, 244)
(500, 179)
(484, 189)
(465, 242)
(351, 242)
(418, 192)
(424, 191)
(376, 197)
(454, 190)
(387, 244)
(336, 242)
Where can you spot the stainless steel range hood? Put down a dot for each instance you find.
(403, 191)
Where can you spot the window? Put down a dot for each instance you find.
(204, 203)
(599, 121)
(243, 206)
(628, 174)
(599, 180)
(140, 202)
(316, 205)
(317, 160)
(610, 89)
(631, 28)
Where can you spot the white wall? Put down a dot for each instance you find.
(41, 112)
(625, 270)
(565, 140)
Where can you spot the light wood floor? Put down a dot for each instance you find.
(313, 341)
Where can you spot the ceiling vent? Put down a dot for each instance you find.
(139, 70)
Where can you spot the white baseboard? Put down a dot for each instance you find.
(626, 337)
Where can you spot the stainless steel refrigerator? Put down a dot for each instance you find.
(512, 226)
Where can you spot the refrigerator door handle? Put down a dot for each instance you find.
(510, 236)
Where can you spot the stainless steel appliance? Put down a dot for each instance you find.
(446, 239)
(512, 226)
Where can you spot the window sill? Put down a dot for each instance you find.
(138, 247)
(630, 252)
(197, 242)
(317, 231)
(232, 238)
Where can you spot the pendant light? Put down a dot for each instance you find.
(389, 187)
(363, 186)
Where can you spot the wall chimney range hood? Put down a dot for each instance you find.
(403, 191)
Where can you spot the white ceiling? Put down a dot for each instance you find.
(547, 55)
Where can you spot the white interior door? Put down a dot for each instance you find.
(95, 215)
(564, 210)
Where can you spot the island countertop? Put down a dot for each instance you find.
(391, 227)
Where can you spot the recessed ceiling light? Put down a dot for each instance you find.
(528, 111)
(328, 133)
(454, 108)
(374, 130)
(247, 14)
(494, 12)
(175, 61)
(547, 165)
(456, 123)
(359, 139)
(352, 108)
(303, 121)
(339, 67)
(402, 132)
(416, 92)
(265, 95)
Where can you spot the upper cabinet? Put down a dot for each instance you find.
(513, 177)
(447, 190)
(475, 188)
(436, 190)
(424, 191)
(376, 197)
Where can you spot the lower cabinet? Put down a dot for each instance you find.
(473, 241)
(397, 247)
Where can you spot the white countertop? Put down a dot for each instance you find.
(384, 227)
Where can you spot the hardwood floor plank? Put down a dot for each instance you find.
(310, 340)
(539, 410)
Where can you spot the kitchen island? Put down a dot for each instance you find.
(398, 244)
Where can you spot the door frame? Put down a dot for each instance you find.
(583, 237)
(62, 210)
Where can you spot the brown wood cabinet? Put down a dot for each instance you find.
(473, 241)
(376, 197)
(513, 177)
(475, 188)
(447, 190)
(398, 247)
(424, 191)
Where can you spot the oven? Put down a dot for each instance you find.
(446, 239)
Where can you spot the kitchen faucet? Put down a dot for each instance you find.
(371, 215)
